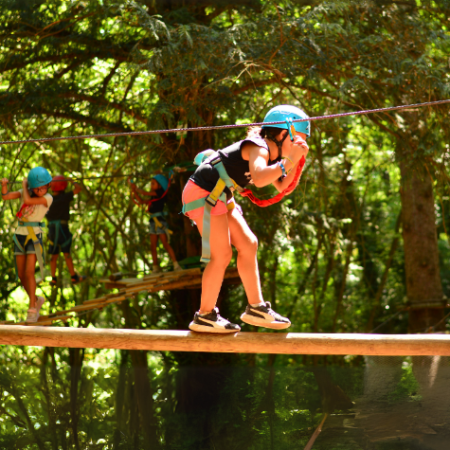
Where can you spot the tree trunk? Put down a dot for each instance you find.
(76, 356)
(423, 281)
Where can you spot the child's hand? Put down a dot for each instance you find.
(4, 181)
(25, 183)
(132, 185)
(300, 146)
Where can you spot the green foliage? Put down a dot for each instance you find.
(407, 387)
(330, 255)
(89, 67)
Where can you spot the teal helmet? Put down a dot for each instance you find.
(287, 114)
(162, 180)
(38, 177)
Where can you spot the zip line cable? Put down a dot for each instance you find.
(227, 127)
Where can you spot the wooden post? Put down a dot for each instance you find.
(187, 341)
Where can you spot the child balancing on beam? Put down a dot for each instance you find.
(28, 247)
(159, 228)
(274, 154)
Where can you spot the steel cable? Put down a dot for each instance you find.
(227, 127)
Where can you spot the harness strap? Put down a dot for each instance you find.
(211, 200)
(58, 227)
(154, 217)
(37, 245)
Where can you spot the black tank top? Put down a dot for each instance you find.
(206, 176)
(156, 204)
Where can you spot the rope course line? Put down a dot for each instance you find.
(227, 127)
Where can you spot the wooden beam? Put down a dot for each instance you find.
(187, 341)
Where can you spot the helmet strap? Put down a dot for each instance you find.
(279, 144)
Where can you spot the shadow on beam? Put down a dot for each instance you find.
(187, 341)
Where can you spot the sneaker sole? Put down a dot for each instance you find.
(251, 320)
(205, 329)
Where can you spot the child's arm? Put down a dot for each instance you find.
(76, 188)
(300, 150)
(134, 194)
(8, 195)
(148, 193)
(138, 198)
(286, 181)
(135, 189)
(28, 200)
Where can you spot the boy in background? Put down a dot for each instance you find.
(59, 235)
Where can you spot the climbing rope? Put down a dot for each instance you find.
(227, 127)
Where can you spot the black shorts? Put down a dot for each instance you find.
(64, 243)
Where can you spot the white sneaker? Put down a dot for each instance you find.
(32, 315)
(265, 316)
(213, 323)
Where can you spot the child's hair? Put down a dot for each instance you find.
(254, 132)
(268, 133)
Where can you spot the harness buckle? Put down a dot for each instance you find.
(216, 159)
(211, 201)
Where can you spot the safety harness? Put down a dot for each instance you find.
(214, 159)
(154, 217)
(58, 228)
(37, 245)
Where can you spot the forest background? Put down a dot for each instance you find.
(361, 245)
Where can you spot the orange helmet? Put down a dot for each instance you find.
(59, 183)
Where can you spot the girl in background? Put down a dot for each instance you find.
(28, 246)
(159, 228)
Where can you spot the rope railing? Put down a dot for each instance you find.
(227, 127)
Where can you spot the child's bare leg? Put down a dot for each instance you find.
(220, 258)
(69, 263)
(153, 245)
(168, 247)
(21, 261)
(30, 265)
(53, 264)
(246, 245)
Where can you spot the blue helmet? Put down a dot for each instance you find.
(162, 180)
(287, 113)
(38, 177)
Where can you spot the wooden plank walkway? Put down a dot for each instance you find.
(187, 341)
(128, 288)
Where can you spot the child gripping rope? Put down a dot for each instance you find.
(59, 235)
(28, 247)
(159, 228)
(272, 154)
